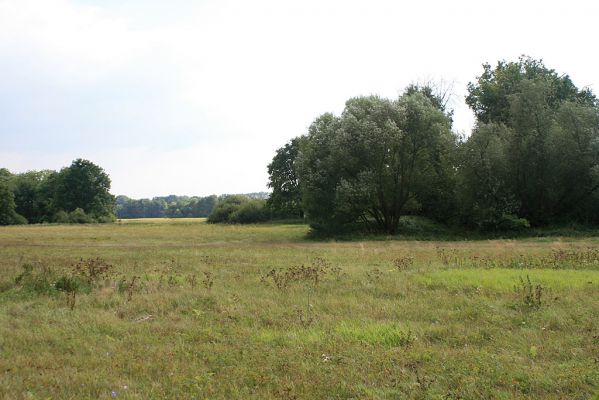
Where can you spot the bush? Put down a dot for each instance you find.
(493, 220)
(61, 217)
(105, 219)
(513, 223)
(78, 216)
(239, 210)
(18, 219)
(250, 212)
(223, 210)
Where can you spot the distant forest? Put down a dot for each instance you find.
(80, 193)
(173, 206)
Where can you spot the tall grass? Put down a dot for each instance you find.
(191, 310)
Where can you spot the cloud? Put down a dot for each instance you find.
(143, 83)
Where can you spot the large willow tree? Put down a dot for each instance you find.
(367, 165)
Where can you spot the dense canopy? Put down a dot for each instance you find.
(532, 158)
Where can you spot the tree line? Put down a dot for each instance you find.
(532, 158)
(173, 206)
(79, 193)
(165, 207)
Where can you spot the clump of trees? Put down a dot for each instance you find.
(534, 152)
(240, 209)
(79, 193)
(531, 160)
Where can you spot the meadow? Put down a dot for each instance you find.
(182, 309)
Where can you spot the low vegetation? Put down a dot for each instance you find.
(185, 309)
(239, 210)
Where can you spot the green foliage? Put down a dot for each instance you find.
(250, 212)
(62, 217)
(238, 209)
(374, 161)
(77, 194)
(285, 199)
(512, 223)
(143, 208)
(33, 192)
(489, 96)
(8, 215)
(85, 186)
(78, 216)
(67, 284)
(534, 151)
(532, 159)
(167, 206)
(35, 280)
(225, 208)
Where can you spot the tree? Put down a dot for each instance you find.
(484, 194)
(33, 198)
(8, 215)
(86, 186)
(489, 96)
(285, 199)
(547, 134)
(239, 209)
(204, 206)
(439, 93)
(366, 164)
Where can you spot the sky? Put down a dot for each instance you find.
(194, 97)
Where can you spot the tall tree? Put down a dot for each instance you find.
(86, 186)
(33, 197)
(8, 215)
(489, 96)
(365, 165)
(548, 133)
(285, 199)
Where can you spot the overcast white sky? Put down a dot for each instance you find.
(194, 97)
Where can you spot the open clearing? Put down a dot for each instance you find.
(191, 310)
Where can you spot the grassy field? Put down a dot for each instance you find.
(185, 310)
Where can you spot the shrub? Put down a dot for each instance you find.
(35, 280)
(250, 212)
(18, 219)
(239, 209)
(513, 223)
(223, 210)
(105, 219)
(61, 217)
(492, 220)
(78, 216)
